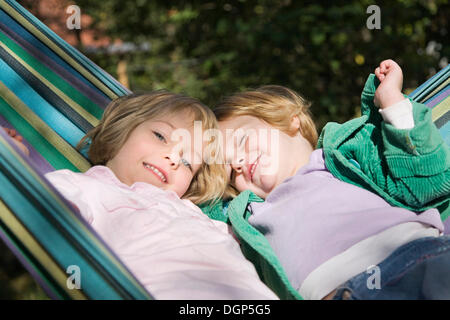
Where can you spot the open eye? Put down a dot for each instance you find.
(159, 136)
(185, 163)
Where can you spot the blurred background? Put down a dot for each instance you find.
(208, 49)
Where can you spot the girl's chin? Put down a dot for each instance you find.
(261, 186)
(267, 183)
(261, 191)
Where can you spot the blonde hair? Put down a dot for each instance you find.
(273, 104)
(125, 113)
(276, 105)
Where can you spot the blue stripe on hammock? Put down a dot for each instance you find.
(445, 133)
(72, 241)
(41, 163)
(104, 77)
(29, 38)
(45, 92)
(428, 86)
(85, 87)
(12, 245)
(54, 119)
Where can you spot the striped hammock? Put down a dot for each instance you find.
(52, 95)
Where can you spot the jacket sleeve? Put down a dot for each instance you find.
(410, 165)
(418, 159)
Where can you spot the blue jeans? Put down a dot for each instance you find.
(418, 270)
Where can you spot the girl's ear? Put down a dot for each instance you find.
(295, 123)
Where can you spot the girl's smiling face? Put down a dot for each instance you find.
(153, 155)
(259, 157)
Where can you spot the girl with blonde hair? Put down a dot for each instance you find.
(140, 197)
(370, 196)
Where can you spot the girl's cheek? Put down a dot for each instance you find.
(239, 184)
(253, 155)
(188, 179)
(268, 165)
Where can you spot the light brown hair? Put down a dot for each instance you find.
(276, 105)
(273, 104)
(125, 113)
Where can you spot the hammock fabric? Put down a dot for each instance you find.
(52, 95)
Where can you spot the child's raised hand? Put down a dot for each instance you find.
(17, 140)
(389, 91)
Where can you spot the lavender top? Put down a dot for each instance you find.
(312, 217)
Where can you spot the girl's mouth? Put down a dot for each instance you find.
(158, 172)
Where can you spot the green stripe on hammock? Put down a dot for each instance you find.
(78, 102)
(53, 46)
(58, 152)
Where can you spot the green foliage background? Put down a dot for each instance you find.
(321, 49)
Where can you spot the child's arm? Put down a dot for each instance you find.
(417, 159)
(409, 166)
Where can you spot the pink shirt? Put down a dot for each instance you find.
(171, 247)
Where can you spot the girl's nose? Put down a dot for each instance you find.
(174, 160)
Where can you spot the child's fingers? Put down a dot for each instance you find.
(378, 74)
(13, 134)
(388, 65)
(10, 132)
(377, 71)
(384, 66)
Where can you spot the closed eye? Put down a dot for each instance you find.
(159, 136)
(243, 139)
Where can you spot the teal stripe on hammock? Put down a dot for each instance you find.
(50, 238)
(24, 38)
(43, 165)
(28, 260)
(45, 92)
(65, 235)
(429, 85)
(104, 77)
(54, 154)
(445, 131)
(46, 63)
(53, 118)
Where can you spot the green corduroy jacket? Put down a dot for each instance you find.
(409, 168)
